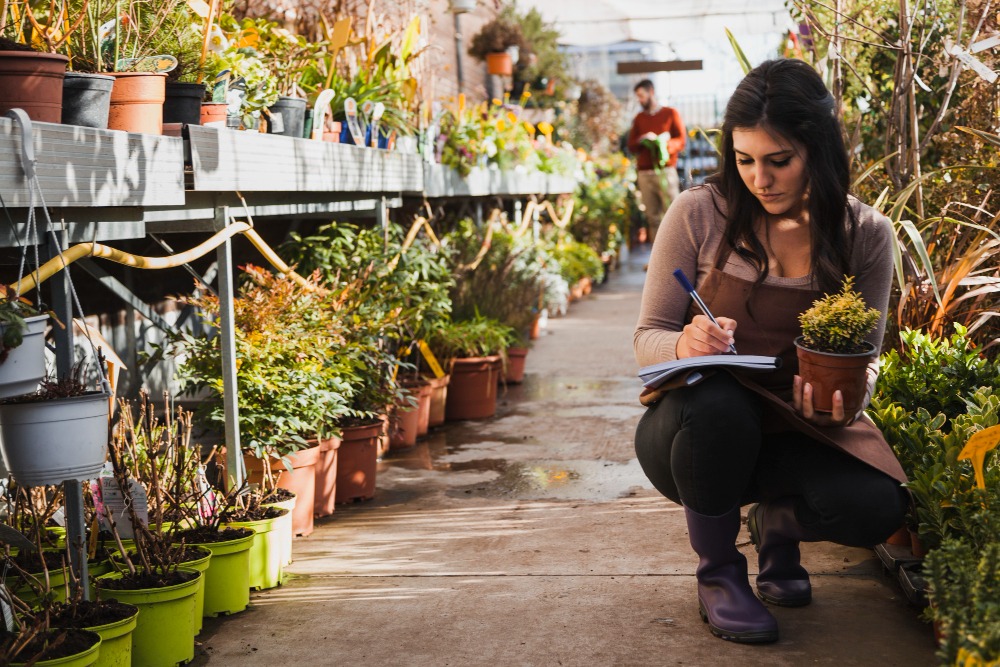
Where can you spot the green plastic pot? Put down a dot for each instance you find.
(201, 565)
(227, 579)
(285, 528)
(116, 642)
(266, 553)
(164, 632)
(57, 582)
(82, 659)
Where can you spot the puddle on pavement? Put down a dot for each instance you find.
(550, 480)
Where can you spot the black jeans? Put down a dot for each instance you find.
(702, 447)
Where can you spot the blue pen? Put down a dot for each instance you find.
(689, 288)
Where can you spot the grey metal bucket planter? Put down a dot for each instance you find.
(24, 367)
(48, 442)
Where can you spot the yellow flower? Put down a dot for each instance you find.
(501, 125)
(977, 447)
(497, 101)
(529, 127)
(512, 117)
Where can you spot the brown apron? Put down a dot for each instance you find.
(771, 333)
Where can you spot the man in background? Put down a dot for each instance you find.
(656, 139)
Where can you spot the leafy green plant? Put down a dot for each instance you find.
(965, 601)
(577, 260)
(838, 323)
(251, 87)
(13, 310)
(476, 337)
(290, 387)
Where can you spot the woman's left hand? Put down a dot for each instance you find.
(802, 400)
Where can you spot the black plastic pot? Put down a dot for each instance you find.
(288, 115)
(86, 99)
(183, 103)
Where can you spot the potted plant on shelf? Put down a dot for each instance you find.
(496, 44)
(290, 58)
(31, 65)
(832, 351)
(238, 76)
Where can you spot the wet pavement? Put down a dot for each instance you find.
(534, 539)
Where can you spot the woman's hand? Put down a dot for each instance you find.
(802, 400)
(703, 337)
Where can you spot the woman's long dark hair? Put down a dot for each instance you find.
(789, 98)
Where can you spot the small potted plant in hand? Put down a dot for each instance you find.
(832, 350)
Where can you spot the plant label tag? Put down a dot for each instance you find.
(431, 360)
(7, 609)
(59, 516)
(277, 123)
(116, 504)
(199, 7)
(976, 65)
(988, 43)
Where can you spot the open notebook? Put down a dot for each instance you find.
(655, 375)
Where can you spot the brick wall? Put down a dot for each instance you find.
(441, 27)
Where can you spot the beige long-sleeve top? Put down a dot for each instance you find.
(689, 239)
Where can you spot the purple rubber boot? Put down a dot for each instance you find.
(776, 533)
(725, 600)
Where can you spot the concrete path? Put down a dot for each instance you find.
(535, 539)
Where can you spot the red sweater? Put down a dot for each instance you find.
(667, 119)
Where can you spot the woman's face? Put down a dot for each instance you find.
(773, 169)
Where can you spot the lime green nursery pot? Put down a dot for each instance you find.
(164, 632)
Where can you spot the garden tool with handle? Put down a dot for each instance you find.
(353, 123)
(320, 108)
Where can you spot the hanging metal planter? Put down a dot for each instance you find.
(24, 367)
(50, 441)
(462, 6)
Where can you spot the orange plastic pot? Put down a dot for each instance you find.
(516, 361)
(137, 102)
(439, 396)
(828, 372)
(536, 327)
(32, 82)
(301, 481)
(424, 409)
(213, 112)
(472, 392)
(500, 64)
(326, 477)
(357, 462)
(404, 426)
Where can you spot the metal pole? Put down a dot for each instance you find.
(227, 332)
(458, 53)
(536, 222)
(61, 297)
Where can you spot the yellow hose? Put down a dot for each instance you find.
(57, 264)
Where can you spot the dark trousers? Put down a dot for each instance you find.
(702, 447)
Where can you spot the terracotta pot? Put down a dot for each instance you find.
(917, 547)
(472, 392)
(424, 409)
(333, 136)
(439, 396)
(357, 461)
(588, 285)
(213, 112)
(32, 82)
(901, 538)
(576, 291)
(516, 358)
(326, 477)
(536, 327)
(301, 481)
(500, 64)
(403, 427)
(137, 102)
(383, 438)
(829, 372)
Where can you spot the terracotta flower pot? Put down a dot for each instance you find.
(383, 438)
(829, 372)
(439, 396)
(472, 392)
(333, 135)
(403, 427)
(424, 409)
(917, 547)
(500, 64)
(357, 461)
(588, 285)
(516, 358)
(137, 102)
(326, 477)
(901, 538)
(213, 112)
(301, 481)
(32, 82)
(536, 327)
